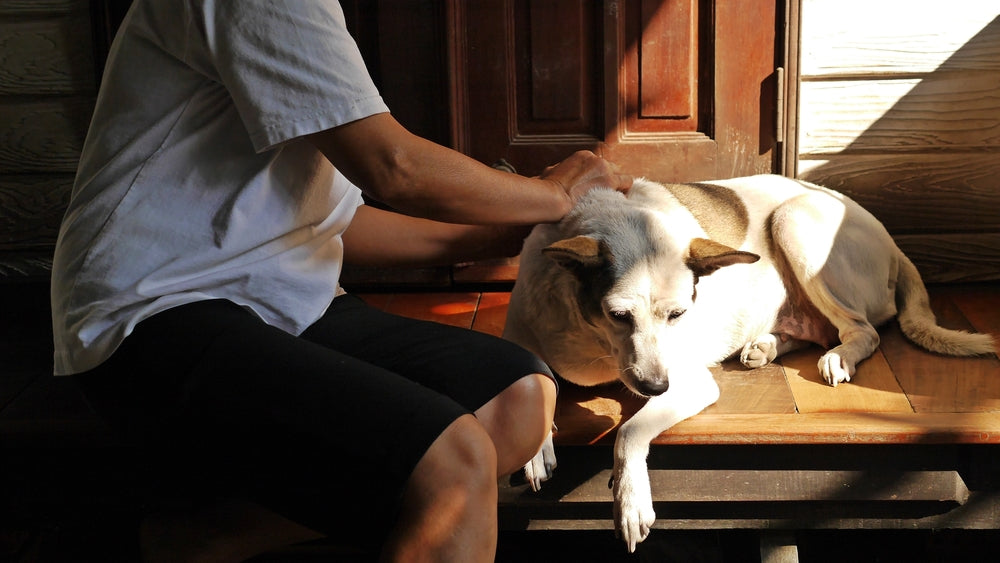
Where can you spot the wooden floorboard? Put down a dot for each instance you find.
(902, 394)
(492, 313)
(836, 428)
(763, 390)
(456, 309)
(873, 388)
(979, 303)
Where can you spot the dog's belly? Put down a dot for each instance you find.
(798, 319)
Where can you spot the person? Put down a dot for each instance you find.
(196, 299)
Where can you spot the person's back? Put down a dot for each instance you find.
(193, 182)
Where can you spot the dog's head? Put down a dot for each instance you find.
(636, 286)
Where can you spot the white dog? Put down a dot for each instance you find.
(653, 287)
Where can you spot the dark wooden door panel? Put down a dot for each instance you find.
(671, 89)
(675, 90)
(661, 65)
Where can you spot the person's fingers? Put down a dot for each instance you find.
(583, 171)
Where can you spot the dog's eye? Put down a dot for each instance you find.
(675, 314)
(621, 316)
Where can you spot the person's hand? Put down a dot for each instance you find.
(583, 171)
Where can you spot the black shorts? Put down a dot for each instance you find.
(316, 427)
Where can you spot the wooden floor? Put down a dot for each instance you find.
(929, 411)
(902, 394)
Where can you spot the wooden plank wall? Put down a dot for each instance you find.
(47, 92)
(900, 108)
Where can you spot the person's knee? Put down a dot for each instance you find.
(519, 419)
(533, 399)
(449, 504)
(462, 456)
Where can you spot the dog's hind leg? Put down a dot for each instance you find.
(837, 260)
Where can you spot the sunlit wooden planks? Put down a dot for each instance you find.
(873, 388)
(836, 428)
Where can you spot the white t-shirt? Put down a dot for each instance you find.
(194, 183)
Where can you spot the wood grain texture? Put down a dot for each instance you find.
(747, 391)
(46, 57)
(491, 315)
(42, 7)
(43, 136)
(901, 110)
(960, 257)
(872, 389)
(31, 208)
(666, 51)
(936, 383)
(557, 33)
(978, 303)
(456, 309)
(727, 62)
(946, 193)
(939, 112)
(728, 485)
(898, 36)
(836, 428)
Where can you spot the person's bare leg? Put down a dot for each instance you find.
(448, 510)
(449, 507)
(220, 532)
(518, 419)
(450, 504)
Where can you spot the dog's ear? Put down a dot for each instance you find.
(575, 252)
(706, 256)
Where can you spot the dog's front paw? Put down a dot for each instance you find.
(541, 466)
(760, 352)
(634, 515)
(834, 369)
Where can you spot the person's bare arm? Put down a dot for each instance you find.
(424, 179)
(377, 237)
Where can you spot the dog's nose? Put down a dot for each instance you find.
(653, 388)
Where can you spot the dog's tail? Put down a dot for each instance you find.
(919, 324)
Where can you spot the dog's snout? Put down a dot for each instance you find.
(653, 388)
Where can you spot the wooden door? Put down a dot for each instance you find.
(674, 90)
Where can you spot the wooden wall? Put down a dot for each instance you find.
(900, 108)
(47, 91)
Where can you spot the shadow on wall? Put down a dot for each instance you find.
(915, 141)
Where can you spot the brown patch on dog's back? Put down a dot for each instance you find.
(718, 210)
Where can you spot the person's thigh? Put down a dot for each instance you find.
(468, 366)
(233, 406)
